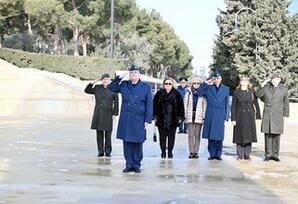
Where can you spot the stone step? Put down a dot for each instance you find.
(31, 92)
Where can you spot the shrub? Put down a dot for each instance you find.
(86, 68)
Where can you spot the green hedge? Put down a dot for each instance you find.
(79, 66)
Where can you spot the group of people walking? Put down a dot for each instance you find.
(200, 106)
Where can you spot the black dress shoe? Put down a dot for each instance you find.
(137, 170)
(218, 158)
(276, 159)
(266, 159)
(100, 155)
(126, 170)
(211, 158)
(196, 156)
(170, 155)
(191, 156)
(163, 155)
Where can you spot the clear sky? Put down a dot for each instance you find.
(194, 22)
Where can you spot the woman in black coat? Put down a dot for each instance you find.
(245, 111)
(106, 108)
(168, 111)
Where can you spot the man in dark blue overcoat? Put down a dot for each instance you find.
(217, 96)
(136, 113)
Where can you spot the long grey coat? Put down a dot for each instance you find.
(276, 106)
(106, 105)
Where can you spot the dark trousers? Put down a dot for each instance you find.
(133, 154)
(272, 143)
(182, 127)
(215, 148)
(243, 150)
(165, 134)
(104, 144)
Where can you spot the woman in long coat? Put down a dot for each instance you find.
(168, 111)
(195, 108)
(106, 108)
(245, 111)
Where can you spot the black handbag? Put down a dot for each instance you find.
(154, 132)
(154, 135)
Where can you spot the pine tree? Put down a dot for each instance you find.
(83, 26)
(49, 18)
(234, 52)
(262, 44)
(292, 68)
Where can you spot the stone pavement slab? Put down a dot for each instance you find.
(53, 160)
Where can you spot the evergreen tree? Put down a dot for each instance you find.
(261, 45)
(83, 27)
(12, 17)
(170, 55)
(49, 20)
(292, 68)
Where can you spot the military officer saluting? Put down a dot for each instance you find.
(136, 113)
(217, 96)
(276, 106)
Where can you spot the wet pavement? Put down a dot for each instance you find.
(51, 159)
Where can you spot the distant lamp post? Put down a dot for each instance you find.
(237, 28)
(112, 30)
(236, 25)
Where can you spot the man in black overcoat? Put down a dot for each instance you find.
(106, 108)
